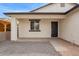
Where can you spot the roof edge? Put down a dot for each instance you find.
(41, 7)
(36, 13)
(76, 6)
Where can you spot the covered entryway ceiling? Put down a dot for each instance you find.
(38, 15)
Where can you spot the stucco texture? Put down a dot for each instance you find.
(69, 27)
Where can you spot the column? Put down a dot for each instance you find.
(4, 27)
(13, 29)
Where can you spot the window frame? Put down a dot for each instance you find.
(32, 28)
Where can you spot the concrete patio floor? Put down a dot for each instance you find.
(40, 47)
(8, 48)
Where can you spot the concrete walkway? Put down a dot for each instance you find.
(8, 48)
(65, 48)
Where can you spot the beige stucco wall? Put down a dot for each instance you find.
(8, 35)
(24, 25)
(4, 36)
(69, 27)
(45, 29)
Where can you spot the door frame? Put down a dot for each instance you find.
(57, 28)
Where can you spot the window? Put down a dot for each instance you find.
(62, 4)
(34, 25)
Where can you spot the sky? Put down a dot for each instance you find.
(18, 7)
